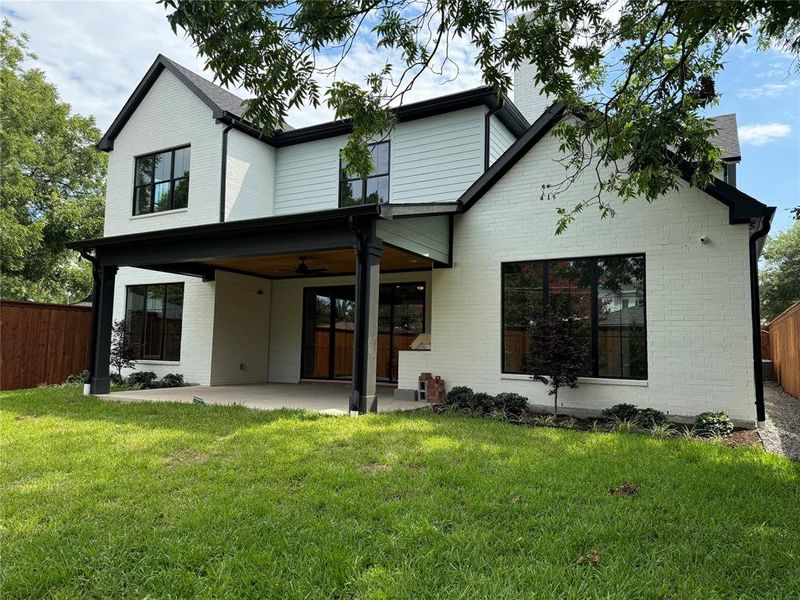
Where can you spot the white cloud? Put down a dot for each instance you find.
(768, 90)
(759, 134)
(97, 52)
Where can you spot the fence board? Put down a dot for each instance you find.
(42, 343)
(784, 335)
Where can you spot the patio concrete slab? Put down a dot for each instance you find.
(330, 399)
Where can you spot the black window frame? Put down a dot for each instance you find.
(363, 180)
(152, 185)
(595, 366)
(142, 334)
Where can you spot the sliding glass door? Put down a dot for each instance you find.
(329, 322)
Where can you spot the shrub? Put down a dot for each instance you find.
(460, 397)
(650, 418)
(511, 403)
(711, 424)
(141, 379)
(621, 412)
(116, 378)
(482, 403)
(78, 378)
(172, 380)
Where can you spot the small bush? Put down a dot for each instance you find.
(116, 379)
(712, 424)
(511, 404)
(649, 418)
(78, 378)
(141, 379)
(172, 380)
(621, 412)
(460, 397)
(482, 403)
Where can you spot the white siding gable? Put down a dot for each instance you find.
(437, 159)
(169, 115)
(500, 139)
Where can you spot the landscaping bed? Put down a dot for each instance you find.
(105, 499)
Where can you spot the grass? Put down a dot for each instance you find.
(120, 500)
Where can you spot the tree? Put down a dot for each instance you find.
(52, 182)
(558, 352)
(637, 73)
(780, 272)
(122, 351)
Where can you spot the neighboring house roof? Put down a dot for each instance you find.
(741, 207)
(727, 138)
(228, 108)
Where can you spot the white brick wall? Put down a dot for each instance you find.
(170, 115)
(527, 94)
(196, 334)
(698, 296)
(250, 178)
(241, 329)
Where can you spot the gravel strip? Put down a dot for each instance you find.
(781, 432)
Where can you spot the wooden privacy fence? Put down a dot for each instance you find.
(784, 341)
(42, 343)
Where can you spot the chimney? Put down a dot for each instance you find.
(528, 96)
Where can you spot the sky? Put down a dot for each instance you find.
(97, 52)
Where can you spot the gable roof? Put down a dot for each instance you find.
(219, 100)
(741, 207)
(727, 137)
(228, 108)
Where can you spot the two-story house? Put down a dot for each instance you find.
(238, 257)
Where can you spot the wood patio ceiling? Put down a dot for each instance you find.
(337, 262)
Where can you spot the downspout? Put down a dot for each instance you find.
(95, 302)
(755, 308)
(487, 129)
(223, 173)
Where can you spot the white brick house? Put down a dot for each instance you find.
(243, 258)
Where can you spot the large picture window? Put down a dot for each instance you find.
(371, 190)
(606, 295)
(161, 181)
(155, 319)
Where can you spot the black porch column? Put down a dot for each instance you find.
(102, 324)
(369, 248)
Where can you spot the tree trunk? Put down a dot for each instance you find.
(555, 403)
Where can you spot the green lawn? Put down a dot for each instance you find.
(155, 500)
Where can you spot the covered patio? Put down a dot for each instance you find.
(329, 399)
(361, 242)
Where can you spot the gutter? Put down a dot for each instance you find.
(223, 175)
(765, 222)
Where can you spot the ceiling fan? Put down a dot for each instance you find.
(302, 269)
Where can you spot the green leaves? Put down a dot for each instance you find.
(780, 272)
(52, 183)
(636, 76)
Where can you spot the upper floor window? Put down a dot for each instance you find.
(606, 297)
(161, 181)
(370, 190)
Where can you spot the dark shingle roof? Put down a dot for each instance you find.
(222, 98)
(727, 137)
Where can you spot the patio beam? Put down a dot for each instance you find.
(369, 249)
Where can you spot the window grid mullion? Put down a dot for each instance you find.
(594, 320)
